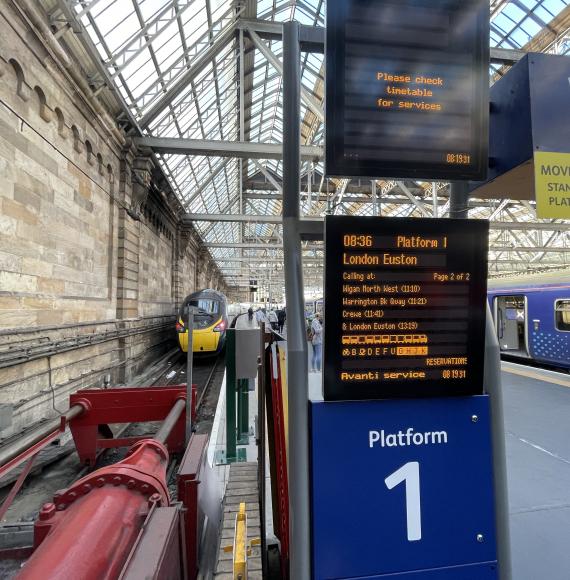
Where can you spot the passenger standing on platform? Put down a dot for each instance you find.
(251, 320)
(281, 317)
(273, 320)
(262, 320)
(317, 342)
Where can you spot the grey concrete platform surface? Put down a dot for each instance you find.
(241, 487)
(537, 423)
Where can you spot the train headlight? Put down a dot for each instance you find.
(220, 327)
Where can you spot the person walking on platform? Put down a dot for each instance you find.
(259, 316)
(251, 319)
(317, 342)
(273, 320)
(281, 317)
(262, 320)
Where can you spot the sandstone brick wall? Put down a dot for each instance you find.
(92, 262)
(57, 215)
(156, 254)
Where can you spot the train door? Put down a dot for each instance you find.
(510, 312)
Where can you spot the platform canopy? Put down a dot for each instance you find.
(199, 83)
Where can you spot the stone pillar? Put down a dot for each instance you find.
(128, 243)
(183, 274)
(133, 190)
(201, 281)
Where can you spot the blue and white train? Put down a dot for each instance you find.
(532, 316)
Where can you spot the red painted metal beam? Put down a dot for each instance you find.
(124, 405)
(16, 487)
(188, 479)
(28, 451)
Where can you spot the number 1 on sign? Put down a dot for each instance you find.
(410, 473)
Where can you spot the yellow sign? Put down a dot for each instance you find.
(552, 185)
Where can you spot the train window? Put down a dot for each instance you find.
(208, 306)
(562, 315)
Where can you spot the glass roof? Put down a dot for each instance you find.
(180, 66)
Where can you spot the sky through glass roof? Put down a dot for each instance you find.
(177, 65)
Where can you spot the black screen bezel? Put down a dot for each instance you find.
(470, 255)
(337, 165)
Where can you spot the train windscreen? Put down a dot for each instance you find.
(206, 306)
(206, 311)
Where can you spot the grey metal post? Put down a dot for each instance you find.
(310, 189)
(297, 355)
(492, 383)
(434, 198)
(189, 369)
(492, 378)
(459, 200)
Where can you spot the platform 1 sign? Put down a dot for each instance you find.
(552, 185)
(407, 88)
(405, 307)
(403, 489)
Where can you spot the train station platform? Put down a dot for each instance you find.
(231, 484)
(537, 430)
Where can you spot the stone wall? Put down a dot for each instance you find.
(57, 215)
(93, 263)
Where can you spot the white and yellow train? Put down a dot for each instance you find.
(210, 322)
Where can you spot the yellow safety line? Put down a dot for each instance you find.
(536, 375)
(240, 549)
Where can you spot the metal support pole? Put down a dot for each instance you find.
(434, 198)
(459, 200)
(375, 199)
(189, 369)
(241, 132)
(231, 453)
(492, 378)
(310, 189)
(297, 363)
(170, 421)
(239, 413)
(492, 382)
(243, 411)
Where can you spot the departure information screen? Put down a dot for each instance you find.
(407, 88)
(405, 304)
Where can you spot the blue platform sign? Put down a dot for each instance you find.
(403, 490)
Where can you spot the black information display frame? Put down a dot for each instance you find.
(405, 307)
(407, 89)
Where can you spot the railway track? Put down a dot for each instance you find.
(207, 375)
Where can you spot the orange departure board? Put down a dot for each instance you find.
(404, 311)
(407, 88)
